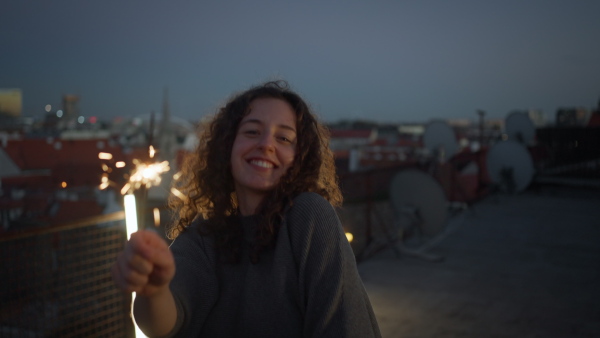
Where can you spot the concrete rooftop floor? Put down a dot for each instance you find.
(525, 265)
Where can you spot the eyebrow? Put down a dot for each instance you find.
(257, 121)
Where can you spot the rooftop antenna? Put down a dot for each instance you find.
(481, 114)
(166, 136)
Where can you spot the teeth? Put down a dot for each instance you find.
(261, 163)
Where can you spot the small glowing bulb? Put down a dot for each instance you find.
(156, 217)
(63, 184)
(48, 108)
(177, 175)
(105, 156)
(59, 113)
(120, 164)
(349, 237)
(80, 119)
(125, 188)
(178, 193)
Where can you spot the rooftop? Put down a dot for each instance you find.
(525, 265)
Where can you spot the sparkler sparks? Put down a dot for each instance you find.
(143, 175)
(178, 193)
(105, 156)
(147, 174)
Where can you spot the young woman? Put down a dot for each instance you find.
(258, 249)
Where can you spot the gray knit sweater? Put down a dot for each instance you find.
(307, 286)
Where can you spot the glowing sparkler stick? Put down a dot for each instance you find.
(131, 226)
(130, 214)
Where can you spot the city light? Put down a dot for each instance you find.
(80, 119)
(63, 184)
(120, 164)
(59, 113)
(48, 108)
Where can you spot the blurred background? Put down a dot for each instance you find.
(432, 106)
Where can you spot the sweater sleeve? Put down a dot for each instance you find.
(331, 295)
(194, 287)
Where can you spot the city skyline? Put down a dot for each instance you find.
(387, 62)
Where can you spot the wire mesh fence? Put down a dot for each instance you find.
(57, 283)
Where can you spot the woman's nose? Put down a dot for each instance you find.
(267, 143)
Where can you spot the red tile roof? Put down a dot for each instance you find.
(594, 120)
(351, 133)
(35, 154)
(75, 162)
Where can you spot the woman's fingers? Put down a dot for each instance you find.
(156, 251)
(127, 280)
(146, 260)
(138, 264)
(139, 244)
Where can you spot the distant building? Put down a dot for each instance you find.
(11, 102)
(537, 117)
(344, 139)
(70, 106)
(571, 117)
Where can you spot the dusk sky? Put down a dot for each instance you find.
(391, 61)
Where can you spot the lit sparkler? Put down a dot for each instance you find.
(142, 177)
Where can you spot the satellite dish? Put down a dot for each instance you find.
(510, 166)
(418, 200)
(520, 128)
(440, 139)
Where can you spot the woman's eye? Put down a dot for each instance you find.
(251, 132)
(285, 139)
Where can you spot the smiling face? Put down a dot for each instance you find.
(263, 150)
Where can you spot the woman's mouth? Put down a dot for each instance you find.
(262, 163)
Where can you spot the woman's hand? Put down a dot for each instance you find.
(146, 265)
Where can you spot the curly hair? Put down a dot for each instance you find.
(208, 185)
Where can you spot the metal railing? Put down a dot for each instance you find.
(56, 282)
